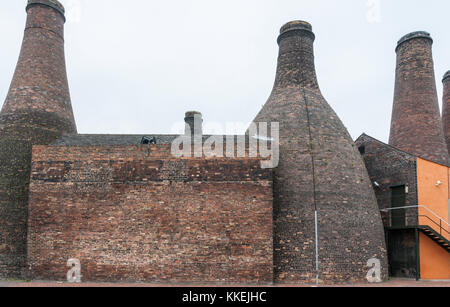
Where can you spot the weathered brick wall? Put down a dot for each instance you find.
(320, 168)
(37, 110)
(135, 213)
(416, 125)
(390, 167)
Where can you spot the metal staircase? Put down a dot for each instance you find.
(431, 224)
(435, 236)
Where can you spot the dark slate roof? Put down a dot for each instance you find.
(113, 139)
(396, 149)
(384, 144)
(109, 139)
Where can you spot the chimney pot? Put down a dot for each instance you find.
(194, 121)
(56, 5)
(446, 76)
(413, 35)
(296, 27)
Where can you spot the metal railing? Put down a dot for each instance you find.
(442, 223)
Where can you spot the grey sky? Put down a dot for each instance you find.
(136, 66)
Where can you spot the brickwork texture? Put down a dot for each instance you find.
(135, 213)
(37, 110)
(416, 125)
(390, 167)
(320, 168)
(446, 108)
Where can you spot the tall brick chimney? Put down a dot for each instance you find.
(416, 125)
(320, 169)
(37, 110)
(446, 108)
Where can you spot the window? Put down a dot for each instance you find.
(362, 149)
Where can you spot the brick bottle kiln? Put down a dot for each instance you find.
(416, 125)
(446, 108)
(72, 212)
(37, 110)
(320, 169)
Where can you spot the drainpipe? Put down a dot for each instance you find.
(317, 247)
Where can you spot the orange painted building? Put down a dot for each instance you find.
(433, 193)
(413, 196)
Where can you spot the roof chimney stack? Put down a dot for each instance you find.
(446, 108)
(193, 123)
(37, 110)
(416, 125)
(320, 170)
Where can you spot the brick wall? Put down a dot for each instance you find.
(134, 213)
(390, 167)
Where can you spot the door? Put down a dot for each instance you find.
(398, 199)
(402, 253)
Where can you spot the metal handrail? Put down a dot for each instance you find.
(420, 206)
(440, 225)
(441, 220)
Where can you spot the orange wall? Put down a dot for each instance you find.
(434, 260)
(429, 195)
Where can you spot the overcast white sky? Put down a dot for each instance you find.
(136, 66)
